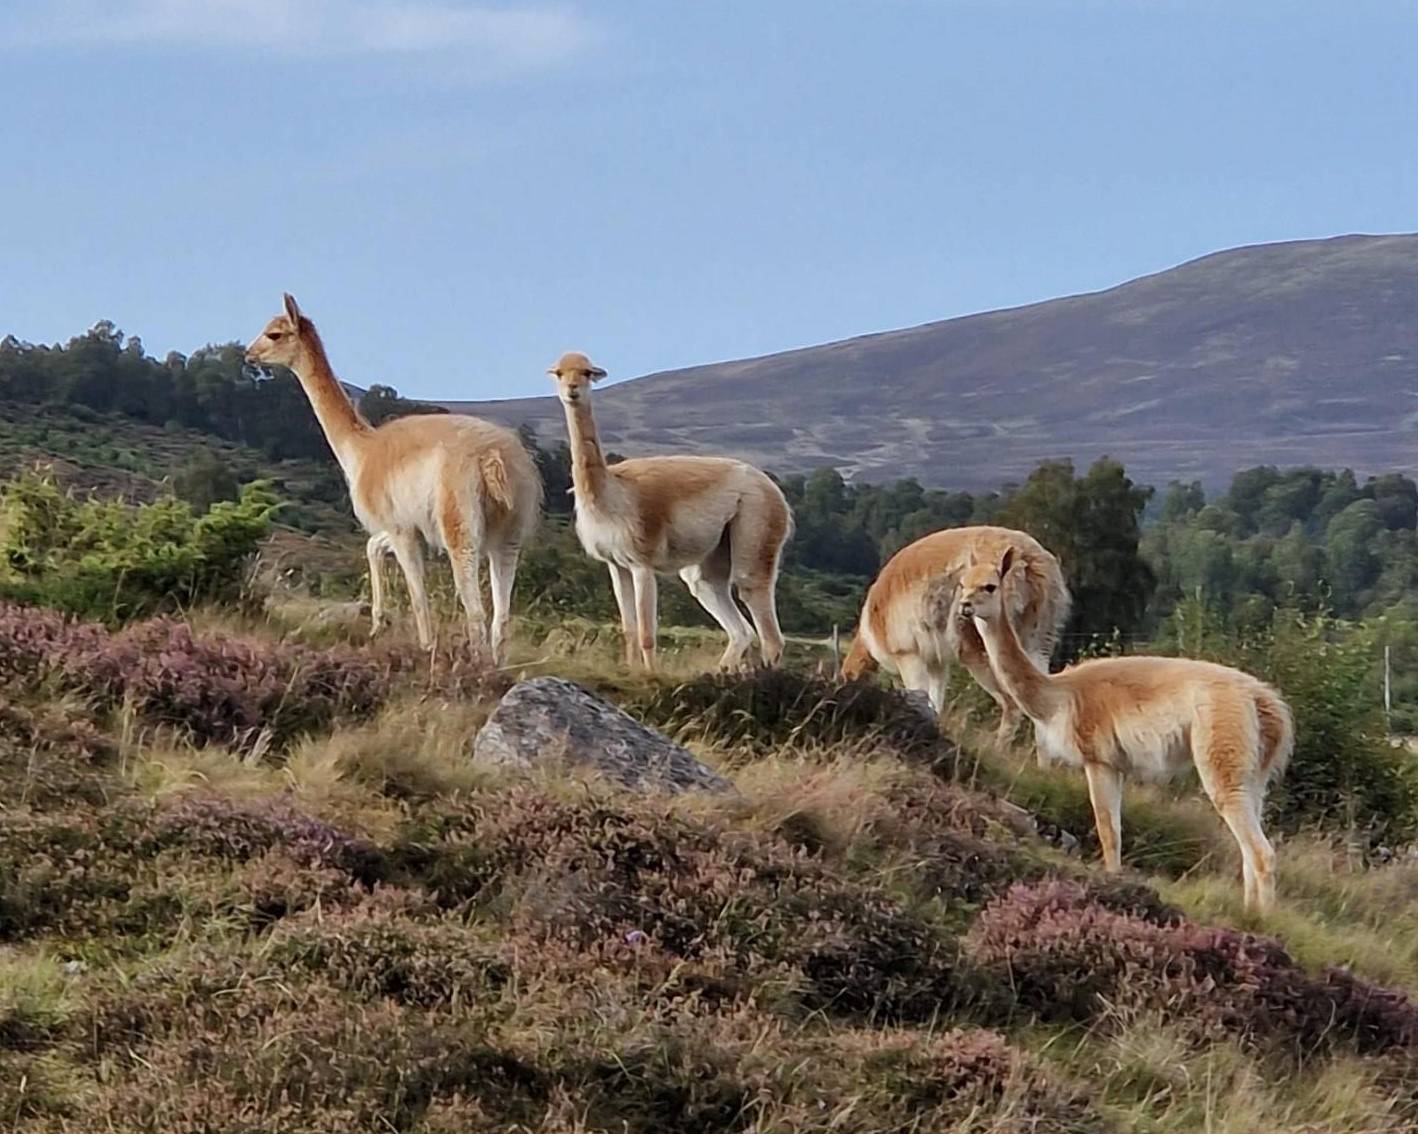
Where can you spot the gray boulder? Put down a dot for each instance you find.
(551, 720)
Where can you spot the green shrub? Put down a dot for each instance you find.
(1344, 775)
(114, 561)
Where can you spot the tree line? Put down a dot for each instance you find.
(1309, 538)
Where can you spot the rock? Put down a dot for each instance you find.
(1025, 823)
(1055, 835)
(339, 613)
(1019, 820)
(550, 719)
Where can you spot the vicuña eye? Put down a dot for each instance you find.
(990, 588)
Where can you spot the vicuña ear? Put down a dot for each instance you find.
(1007, 562)
(292, 309)
(596, 373)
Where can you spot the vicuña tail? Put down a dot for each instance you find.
(495, 481)
(858, 661)
(1277, 734)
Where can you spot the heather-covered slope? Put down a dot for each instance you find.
(343, 924)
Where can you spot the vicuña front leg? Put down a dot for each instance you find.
(715, 596)
(623, 583)
(647, 612)
(1105, 791)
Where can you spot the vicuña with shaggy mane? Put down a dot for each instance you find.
(911, 624)
(720, 523)
(1146, 716)
(462, 484)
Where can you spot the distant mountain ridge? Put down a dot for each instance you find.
(1304, 352)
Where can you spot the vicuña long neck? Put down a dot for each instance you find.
(588, 465)
(1032, 690)
(340, 421)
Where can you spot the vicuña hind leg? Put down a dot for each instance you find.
(409, 552)
(467, 580)
(463, 538)
(1225, 748)
(758, 597)
(1257, 854)
(502, 570)
(755, 544)
(713, 593)
(374, 552)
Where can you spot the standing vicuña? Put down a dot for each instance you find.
(461, 483)
(1146, 716)
(720, 523)
(911, 625)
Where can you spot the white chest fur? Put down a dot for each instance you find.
(603, 540)
(1054, 739)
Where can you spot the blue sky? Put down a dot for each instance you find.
(457, 192)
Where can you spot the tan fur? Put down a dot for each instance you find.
(720, 523)
(453, 482)
(1147, 717)
(910, 623)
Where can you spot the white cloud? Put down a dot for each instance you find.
(511, 34)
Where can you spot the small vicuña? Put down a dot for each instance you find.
(1148, 717)
(719, 522)
(462, 484)
(910, 622)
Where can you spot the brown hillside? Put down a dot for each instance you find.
(1294, 353)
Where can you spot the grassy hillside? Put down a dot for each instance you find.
(1297, 353)
(112, 455)
(334, 921)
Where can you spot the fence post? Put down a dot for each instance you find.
(1388, 689)
(836, 650)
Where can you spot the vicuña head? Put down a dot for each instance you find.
(281, 343)
(574, 373)
(982, 588)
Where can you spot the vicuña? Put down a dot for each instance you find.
(1146, 716)
(720, 523)
(462, 484)
(911, 624)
